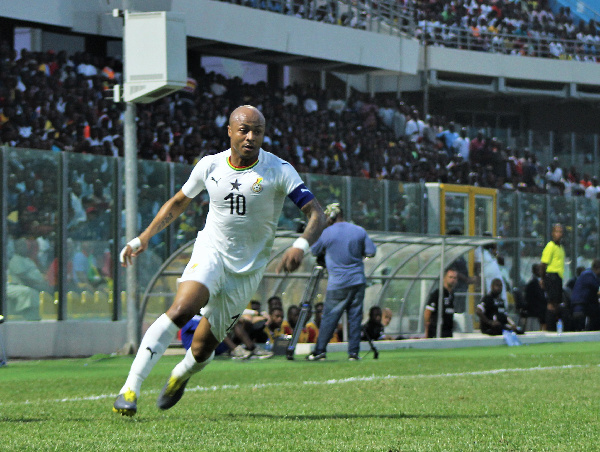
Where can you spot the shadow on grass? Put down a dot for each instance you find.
(21, 420)
(140, 419)
(319, 417)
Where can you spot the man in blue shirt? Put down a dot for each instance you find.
(584, 299)
(345, 245)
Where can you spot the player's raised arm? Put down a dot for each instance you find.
(314, 227)
(165, 216)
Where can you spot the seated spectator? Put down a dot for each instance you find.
(492, 314)
(272, 329)
(253, 320)
(25, 282)
(313, 327)
(288, 326)
(85, 270)
(289, 323)
(274, 302)
(247, 350)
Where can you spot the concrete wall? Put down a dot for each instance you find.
(513, 67)
(49, 338)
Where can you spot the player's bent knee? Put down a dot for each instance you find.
(203, 354)
(180, 315)
(191, 297)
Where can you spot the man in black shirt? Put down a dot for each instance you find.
(430, 316)
(491, 312)
(535, 297)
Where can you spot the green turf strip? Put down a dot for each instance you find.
(536, 397)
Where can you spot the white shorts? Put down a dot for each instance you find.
(229, 293)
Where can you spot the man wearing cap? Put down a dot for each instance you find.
(345, 245)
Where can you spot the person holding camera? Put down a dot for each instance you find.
(345, 246)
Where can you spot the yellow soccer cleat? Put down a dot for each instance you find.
(126, 403)
(171, 392)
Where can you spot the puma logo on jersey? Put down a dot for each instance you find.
(216, 180)
(304, 190)
(151, 352)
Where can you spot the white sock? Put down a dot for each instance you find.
(155, 342)
(189, 366)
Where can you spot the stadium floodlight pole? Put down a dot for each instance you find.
(131, 209)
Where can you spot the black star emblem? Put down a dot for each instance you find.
(235, 185)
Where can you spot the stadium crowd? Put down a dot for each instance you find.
(528, 28)
(61, 103)
(58, 102)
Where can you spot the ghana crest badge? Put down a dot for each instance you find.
(256, 187)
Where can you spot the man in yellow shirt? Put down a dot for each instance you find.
(553, 268)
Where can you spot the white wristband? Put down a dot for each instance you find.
(134, 244)
(302, 243)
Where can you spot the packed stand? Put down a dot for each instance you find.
(527, 28)
(55, 102)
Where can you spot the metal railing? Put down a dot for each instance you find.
(508, 44)
(399, 19)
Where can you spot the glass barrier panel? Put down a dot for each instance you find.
(367, 204)
(32, 227)
(508, 252)
(291, 219)
(506, 207)
(456, 212)
(153, 189)
(327, 189)
(587, 230)
(89, 236)
(484, 214)
(187, 225)
(405, 207)
(162, 293)
(532, 224)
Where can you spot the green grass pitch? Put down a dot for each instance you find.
(529, 398)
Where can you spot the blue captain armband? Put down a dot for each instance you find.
(301, 196)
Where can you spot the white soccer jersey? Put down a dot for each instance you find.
(245, 205)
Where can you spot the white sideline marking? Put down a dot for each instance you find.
(327, 382)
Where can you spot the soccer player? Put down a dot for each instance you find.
(247, 187)
(345, 246)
